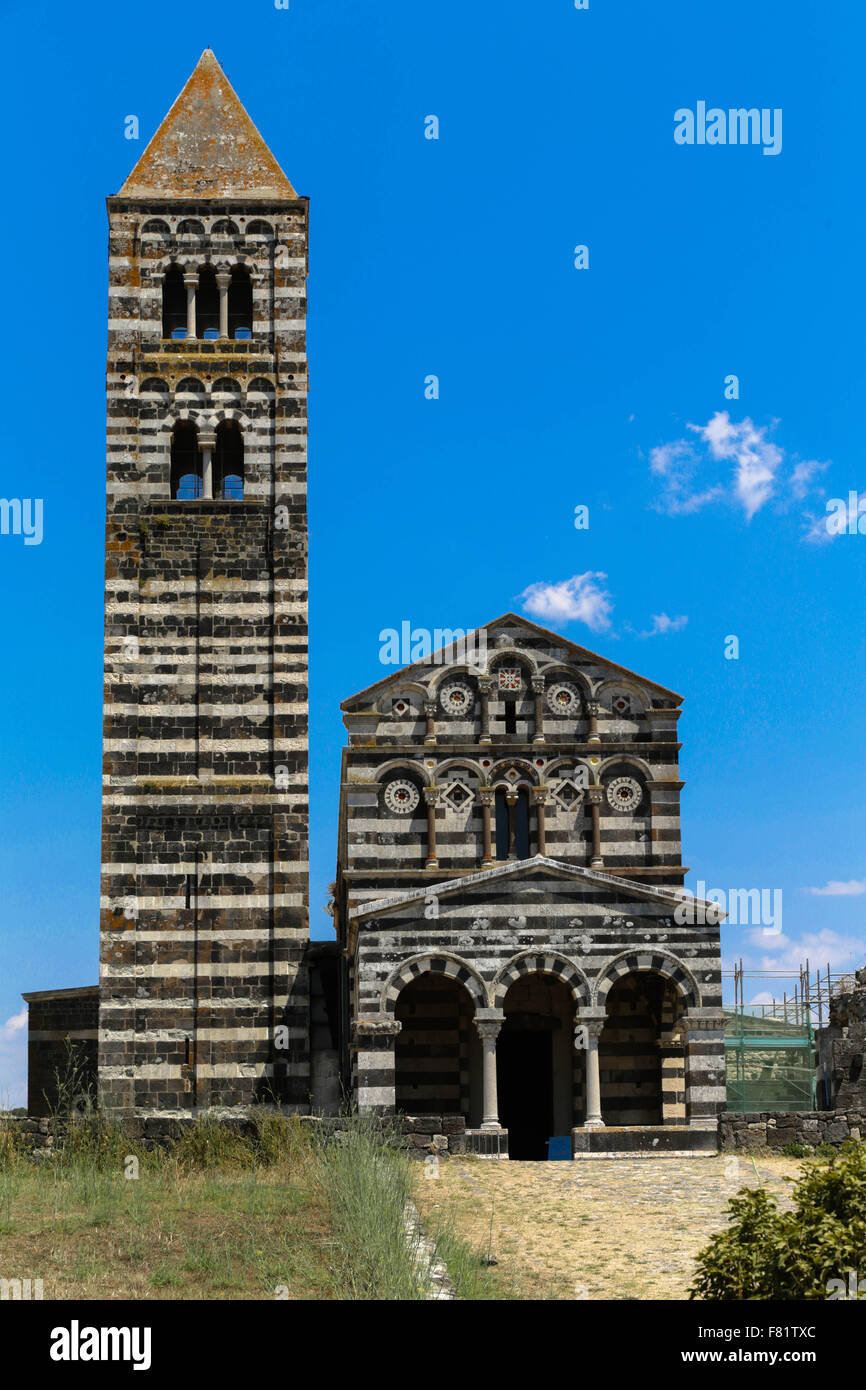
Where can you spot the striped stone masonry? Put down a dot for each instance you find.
(509, 840)
(203, 991)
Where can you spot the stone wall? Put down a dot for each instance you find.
(775, 1130)
(61, 1045)
(842, 1045)
(434, 1134)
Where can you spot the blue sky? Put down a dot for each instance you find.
(559, 387)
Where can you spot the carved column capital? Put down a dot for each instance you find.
(489, 1023)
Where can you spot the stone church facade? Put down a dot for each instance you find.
(508, 899)
(508, 961)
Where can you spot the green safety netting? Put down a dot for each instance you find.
(770, 1058)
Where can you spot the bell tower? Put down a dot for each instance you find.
(204, 900)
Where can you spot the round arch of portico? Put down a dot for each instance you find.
(652, 959)
(541, 963)
(442, 963)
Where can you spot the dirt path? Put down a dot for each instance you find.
(621, 1229)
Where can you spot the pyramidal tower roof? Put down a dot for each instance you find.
(207, 147)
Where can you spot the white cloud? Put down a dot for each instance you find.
(823, 948)
(662, 625)
(13, 1060)
(801, 478)
(686, 471)
(581, 599)
(842, 517)
(837, 888)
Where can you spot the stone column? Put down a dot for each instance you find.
(374, 1035)
(430, 712)
(538, 691)
(511, 803)
(223, 280)
(593, 797)
(190, 279)
(207, 444)
(587, 1031)
(484, 684)
(673, 1074)
(431, 796)
(539, 797)
(486, 798)
(488, 1022)
(705, 1065)
(593, 710)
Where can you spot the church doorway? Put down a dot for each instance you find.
(632, 1051)
(535, 1062)
(437, 1051)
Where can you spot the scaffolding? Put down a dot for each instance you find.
(770, 1047)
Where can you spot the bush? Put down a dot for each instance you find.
(767, 1254)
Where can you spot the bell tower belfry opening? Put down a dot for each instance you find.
(203, 991)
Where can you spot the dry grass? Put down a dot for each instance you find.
(623, 1229)
(168, 1234)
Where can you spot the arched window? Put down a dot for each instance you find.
(207, 304)
(512, 826)
(173, 304)
(186, 473)
(228, 473)
(240, 303)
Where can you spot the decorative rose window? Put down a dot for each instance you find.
(456, 698)
(401, 797)
(624, 793)
(563, 698)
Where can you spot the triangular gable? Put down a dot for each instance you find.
(577, 654)
(207, 147)
(538, 866)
